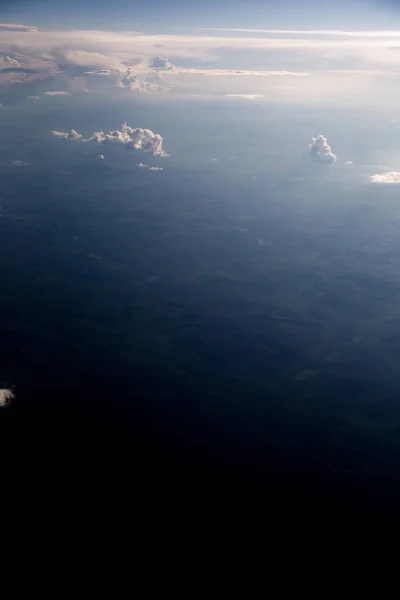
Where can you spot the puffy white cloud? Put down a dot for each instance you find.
(140, 83)
(389, 177)
(136, 138)
(162, 64)
(321, 151)
(19, 27)
(71, 135)
(6, 62)
(101, 157)
(5, 397)
(56, 93)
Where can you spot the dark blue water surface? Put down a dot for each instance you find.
(232, 322)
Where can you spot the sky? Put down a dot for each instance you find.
(189, 13)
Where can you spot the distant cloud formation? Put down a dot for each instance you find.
(19, 27)
(246, 96)
(5, 397)
(56, 93)
(6, 62)
(161, 64)
(70, 135)
(136, 138)
(321, 151)
(19, 163)
(389, 177)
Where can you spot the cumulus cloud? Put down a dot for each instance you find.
(139, 83)
(389, 177)
(321, 151)
(6, 62)
(161, 64)
(136, 138)
(56, 93)
(5, 397)
(19, 27)
(71, 135)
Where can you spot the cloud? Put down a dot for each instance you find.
(8, 62)
(156, 169)
(246, 96)
(5, 397)
(389, 177)
(349, 163)
(132, 81)
(136, 138)
(101, 157)
(162, 64)
(21, 28)
(56, 93)
(142, 166)
(19, 163)
(321, 151)
(33, 97)
(71, 135)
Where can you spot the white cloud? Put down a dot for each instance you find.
(246, 96)
(5, 397)
(136, 138)
(19, 163)
(349, 163)
(19, 27)
(161, 64)
(156, 169)
(101, 157)
(142, 166)
(321, 151)
(33, 97)
(389, 177)
(56, 93)
(131, 80)
(71, 135)
(6, 62)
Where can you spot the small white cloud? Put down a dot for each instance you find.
(5, 397)
(33, 97)
(321, 151)
(142, 166)
(156, 169)
(246, 96)
(161, 64)
(6, 62)
(101, 157)
(56, 93)
(349, 163)
(389, 177)
(136, 138)
(19, 163)
(17, 27)
(98, 72)
(71, 135)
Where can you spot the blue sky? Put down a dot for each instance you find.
(172, 14)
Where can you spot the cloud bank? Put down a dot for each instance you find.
(321, 151)
(389, 177)
(136, 138)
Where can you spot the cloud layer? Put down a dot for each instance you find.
(136, 138)
(321, 151)
(389, 177)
